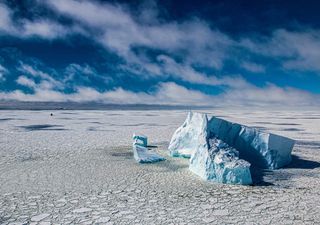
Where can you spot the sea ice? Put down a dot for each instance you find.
(141, 152)
(39, 217)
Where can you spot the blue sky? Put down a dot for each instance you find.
(228, 53)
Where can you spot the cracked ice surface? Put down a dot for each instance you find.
(85, 172)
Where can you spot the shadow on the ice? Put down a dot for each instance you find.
(127, 155)
(8, 119)
(312, 144)
(152, 146)
(5, 119)
(299, 163)
(98, 129)
(170, 166)
(43, 127)
(258, 175)
(292, 129)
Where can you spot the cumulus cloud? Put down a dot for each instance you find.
(193, 40)
(270, 95)
(5, 19)
(117, 30)
(253, 67)
(299, 50)
(44, 28)
(178, 49)
(241, 93)
(47, 81)
(26, 28)
(167, 93)
(170, 93)
(3, 71)
(25, 81)
(120, 31)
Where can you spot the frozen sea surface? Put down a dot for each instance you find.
(78, 167)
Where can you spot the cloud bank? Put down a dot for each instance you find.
(177, 53)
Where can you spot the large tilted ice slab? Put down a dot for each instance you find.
(264, 150)
(140, 151)
(261, 149)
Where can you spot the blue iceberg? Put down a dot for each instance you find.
(141, 153)
(222, 151)
(140, 140)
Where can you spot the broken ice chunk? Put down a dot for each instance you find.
(230, 169)
(143, 155)
(220, 163)
(140, 140)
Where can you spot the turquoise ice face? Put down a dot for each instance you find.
(143, 155)
(140, 140)
(141, 152)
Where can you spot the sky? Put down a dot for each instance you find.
(207, 53)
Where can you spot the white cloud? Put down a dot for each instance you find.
(47, 81)
(253, 67)
(167, 93)
(73, 69)
(77, 73)
(3, 71)
(44, 28)
(299, 50)
(183, 46)
(270, 95)
(170, 93)
(193, 41)
(116, 29)
(38, 28)
(25, 81)
(5, 18)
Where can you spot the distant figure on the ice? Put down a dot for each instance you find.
(51, 114)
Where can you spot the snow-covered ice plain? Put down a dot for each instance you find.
(77, 167)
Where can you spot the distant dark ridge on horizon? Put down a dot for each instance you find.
(14, 105)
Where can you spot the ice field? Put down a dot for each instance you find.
(77, 167)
